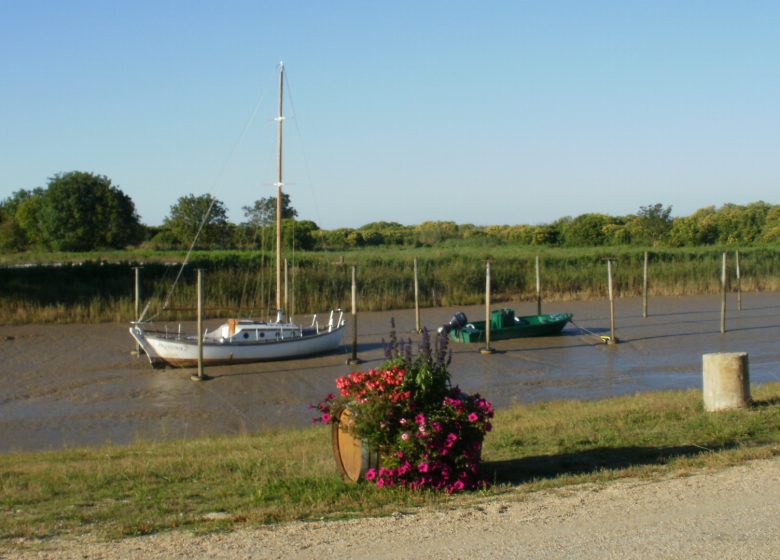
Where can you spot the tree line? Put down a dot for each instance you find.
(79, 211)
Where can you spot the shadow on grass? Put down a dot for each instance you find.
(762, 403)
(519, 471)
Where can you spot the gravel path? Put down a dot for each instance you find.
(731, 513)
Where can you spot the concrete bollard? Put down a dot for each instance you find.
(725, 381)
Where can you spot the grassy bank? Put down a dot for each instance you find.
(241, 283)
(221, 483)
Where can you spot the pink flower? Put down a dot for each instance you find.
(325, 418)
(473, 417)
(422, 467)
(405, 436)
(420, 419)
(371, 474)
(403, 421)
(400, 454)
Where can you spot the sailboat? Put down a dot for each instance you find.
(247, 340)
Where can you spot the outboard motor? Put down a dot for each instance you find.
(458, 321)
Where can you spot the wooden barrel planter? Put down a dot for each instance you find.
(353, 457)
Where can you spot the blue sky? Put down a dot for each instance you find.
(478, 112)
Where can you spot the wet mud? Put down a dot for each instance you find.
(72, 385)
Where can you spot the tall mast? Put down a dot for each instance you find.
(279, 121)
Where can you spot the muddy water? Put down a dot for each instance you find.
(73, 385)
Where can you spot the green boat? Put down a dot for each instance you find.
(504, 325)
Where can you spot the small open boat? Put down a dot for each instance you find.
(504, 325)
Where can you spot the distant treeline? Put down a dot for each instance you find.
(240, 283)
(651, 226)
(80, 211)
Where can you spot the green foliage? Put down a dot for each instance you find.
(741, 224)
(587, 230)
(429, 233)
(263, 211)
(650, 226)
(82, 211)
(771, 232)
(12, 234)
(77, 211)
(202, 213)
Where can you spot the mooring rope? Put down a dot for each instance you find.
(585, 330)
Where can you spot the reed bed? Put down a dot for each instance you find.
(220, 483)
(242, 283)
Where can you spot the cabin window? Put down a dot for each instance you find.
(246, 335)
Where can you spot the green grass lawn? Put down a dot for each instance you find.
(273, 477)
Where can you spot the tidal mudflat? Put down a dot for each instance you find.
(72, 385)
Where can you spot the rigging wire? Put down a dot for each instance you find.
(310, 182)
(215, 186)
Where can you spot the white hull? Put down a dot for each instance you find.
(182, 351)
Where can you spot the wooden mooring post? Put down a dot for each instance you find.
(538, 287)
(739, 281)
(354, 359)
(201, 376)
(723, 282)
(286, 292)
(138, 350)
(417, 326)
(292, 292)
(487, 349)
(644, 287)
(612, 338)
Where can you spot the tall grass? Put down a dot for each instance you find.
(243, 282)
(281, 476)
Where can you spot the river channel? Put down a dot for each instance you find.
(74, 385)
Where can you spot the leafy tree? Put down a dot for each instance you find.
(771, 231)
(741, 224)
(651, 225)
(470, 231)
(336, 238)
(263, 211)
(202, 213)
(299, 235)
(386, 233)
(697, 229)
(28, 216)
(432, 232)
(545, 235)
(617, 234)
(79, 211)
(587, 230)
(12, 234)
